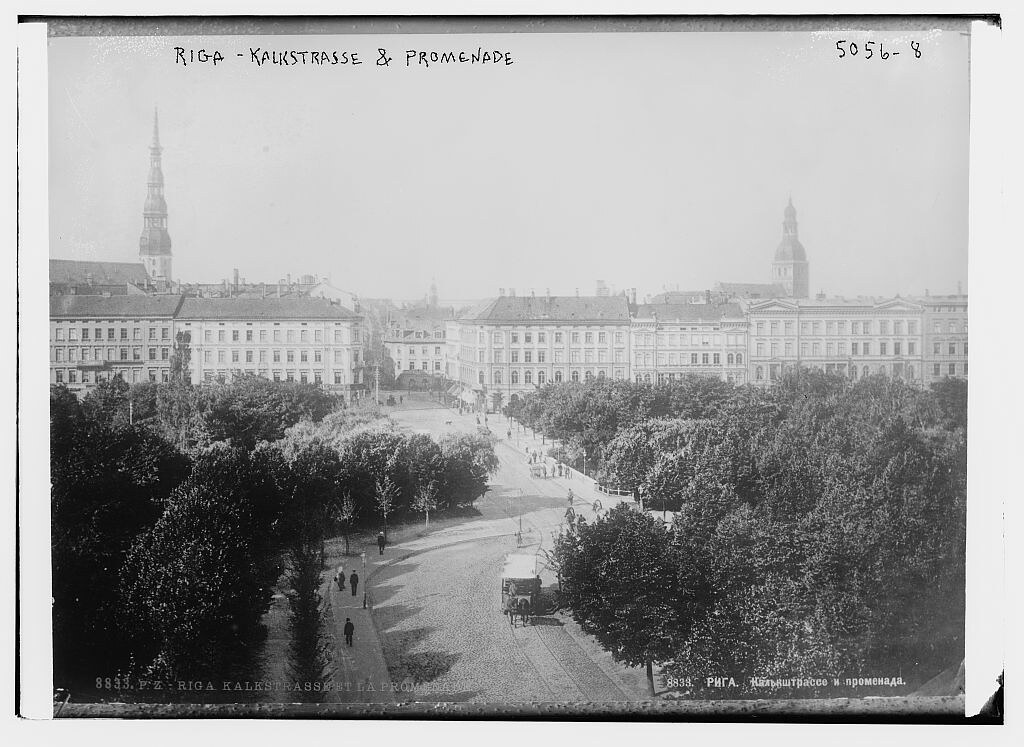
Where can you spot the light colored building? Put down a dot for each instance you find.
(95, 338)
(305, 340)
(670, 341)
(509, 345)
(851, 338)
(945, 336)
(417, 341)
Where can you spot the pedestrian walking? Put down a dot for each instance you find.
(478, 420)
(339, 577)
(570, 502)
(544, 470)
(350, 630)
(381, 542)
(353, 581)
(401, 399)
(559, 469)
(508, 435)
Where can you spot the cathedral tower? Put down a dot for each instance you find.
(790, 268)
(155, 242)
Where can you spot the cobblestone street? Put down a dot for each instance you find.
(436, 607)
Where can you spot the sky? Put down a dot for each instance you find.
(647, 160)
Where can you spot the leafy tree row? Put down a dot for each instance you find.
(819, 531)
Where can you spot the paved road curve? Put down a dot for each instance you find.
(438, 611)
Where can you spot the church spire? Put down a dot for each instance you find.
(155, 242)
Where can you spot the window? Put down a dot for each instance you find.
(602, 337)
(558, 377)
(208, 335)
(897, 348)
(588, 376)
(883, 327)
(289, 356)
(234, 356)
(221, 356)
(234, 335)
(527, 356)
(59, 354)
(693, 359)
(911, 348)
(574, 356)
(704, 358)
(558, 337)
(965, 368)
(207, 356)
(759, 373)
(136, 333)
(337, 377)
(60, 376)
(952, 369)
(318, 335)
(588, 337)
(528, 337)
(318, 356)
(730, 359)
(248, 356)
(528, 377)
(618, 338)
(304, 356)
(541, 354)
(72, 376)
(883, 348)
(717, 359)
(541, 378)
(867, 348)
(152, 354)
(423, 365)
(136, 354)
(220, 335)
(952, 348)
(575, 337)
(304, 335)
(739, 358)
(575, 376)
(263, 356)
(515, 356)
(588, 356)
(542, 337)
(277, 356)
(965, 347)
(855, 348)
(124, 333)
(515, 376)
(514, 336)
(289, 335)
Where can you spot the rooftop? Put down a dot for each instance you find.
(270, 308)
(81, 272)
(551, 308)
(103, 307)
(690, 311)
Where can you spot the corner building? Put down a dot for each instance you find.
(510, 345)
(306, 340)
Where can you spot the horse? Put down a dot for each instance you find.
(522, 609)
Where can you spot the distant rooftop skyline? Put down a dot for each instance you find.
(652, 161)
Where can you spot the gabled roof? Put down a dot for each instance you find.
(79, 272)
(263, 309)
(102, 307)
(706, 312)
(551, 309)
(752, 290)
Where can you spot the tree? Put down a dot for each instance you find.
(345, 515)
(181, 358)
(387, 493)
(623, 581)
(108, 484)
(426, 500)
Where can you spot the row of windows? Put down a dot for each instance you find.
(412, 351)
(303, 377)
(113, 333)
(775, 371)
(419, 334)
(673, 340)
(262, 356)
(73, 376)
(540, 377)
(266, 335)
(951, 347)
(695, 359)
(424, 366)
(839, 327)
(109, 354)
(839, 348)
(498, 338)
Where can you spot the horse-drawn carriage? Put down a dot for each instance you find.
(520, 588)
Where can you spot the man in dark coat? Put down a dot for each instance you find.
(381, 542)
(349, 630)
(353, 581)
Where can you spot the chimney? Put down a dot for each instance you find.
(532, 294)
(289, 276)
(577, 293)
(236, 280)
(820, 296)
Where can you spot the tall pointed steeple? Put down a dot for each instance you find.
(790, 268)
(155, 242)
